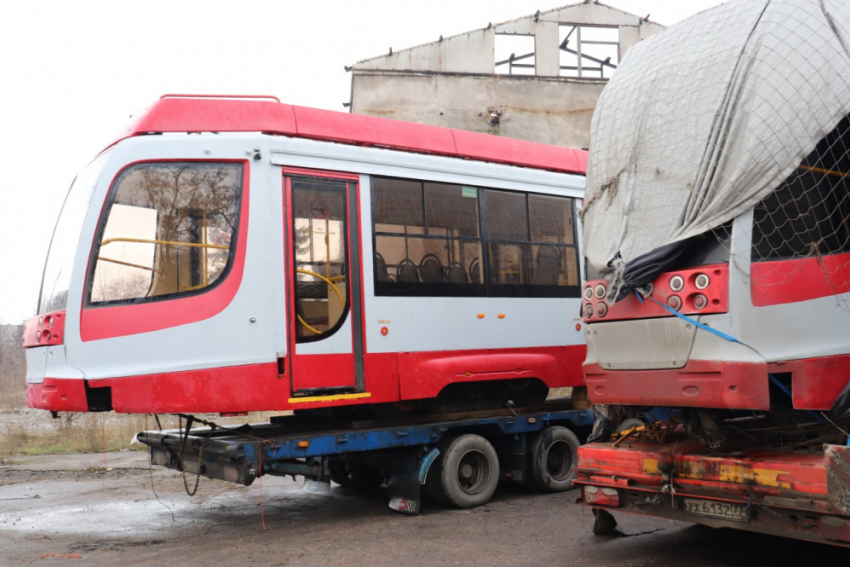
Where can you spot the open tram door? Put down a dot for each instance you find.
(323, 279)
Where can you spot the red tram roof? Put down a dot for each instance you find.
(200, 113)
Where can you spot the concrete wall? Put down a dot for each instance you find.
(452, 82)
(550, 110)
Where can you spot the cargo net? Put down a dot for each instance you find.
(801, 231)
(748, 113)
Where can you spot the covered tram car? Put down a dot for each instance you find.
(717, 223)
(232, 254)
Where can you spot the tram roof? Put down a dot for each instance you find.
(208, 113)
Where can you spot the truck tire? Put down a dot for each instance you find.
(554, 452)
(466, 473)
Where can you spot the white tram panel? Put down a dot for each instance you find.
(228, 338)
(418, 324)
(782, 332)
(231, 338)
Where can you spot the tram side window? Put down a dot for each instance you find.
(169, 229)
(808, 215)
(435, 239)
(427, 238)
(532, 245)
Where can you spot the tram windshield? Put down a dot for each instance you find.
(66, 236)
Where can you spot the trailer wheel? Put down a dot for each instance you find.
(553, 455)
(467, 472)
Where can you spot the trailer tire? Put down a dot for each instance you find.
(554, 452)
(467, 472)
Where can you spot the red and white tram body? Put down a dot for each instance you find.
(232, 255)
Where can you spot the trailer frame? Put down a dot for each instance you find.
(405, 449)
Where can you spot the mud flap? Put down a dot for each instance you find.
(405, 496)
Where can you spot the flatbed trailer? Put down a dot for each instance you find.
(458, 457)
(803, 495)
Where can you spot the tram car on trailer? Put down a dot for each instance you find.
(232, 254)
(727, 288)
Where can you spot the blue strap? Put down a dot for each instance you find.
(782, 387)
(722, 335)
(694, 322)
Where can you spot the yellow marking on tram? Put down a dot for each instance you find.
(330, 398)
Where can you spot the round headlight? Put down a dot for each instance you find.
(674, 302)
(588, 293)
(677, 283)
(601, 310)
(588, 310)
(701, 281)
(700, 301)
(600, 291)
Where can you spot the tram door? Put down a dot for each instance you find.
(324, 284)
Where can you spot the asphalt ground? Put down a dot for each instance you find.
(113, 509)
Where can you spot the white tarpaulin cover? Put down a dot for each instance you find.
(705, 119)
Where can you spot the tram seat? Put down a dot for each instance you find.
(548, 266)
(475, 270)
(406, 272)
(431, 269)
(456, 273)
(381, 273)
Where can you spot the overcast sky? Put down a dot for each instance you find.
(72, 73)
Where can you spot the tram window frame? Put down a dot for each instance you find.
(239, 189)
(487, 286)
(328, 185)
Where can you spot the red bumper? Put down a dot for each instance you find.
(700, 383)
(58, 395)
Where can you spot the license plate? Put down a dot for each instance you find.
(717, 510)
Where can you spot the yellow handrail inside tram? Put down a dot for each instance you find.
(333, 287)
(824, 171)
(324, 279)
(99, 258)
(165, 242)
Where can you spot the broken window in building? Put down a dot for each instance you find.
(590, 52)
(514, 54)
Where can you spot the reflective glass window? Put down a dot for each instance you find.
(168, 229)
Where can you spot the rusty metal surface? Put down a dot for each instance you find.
(838, 477)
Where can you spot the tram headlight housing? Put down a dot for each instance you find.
(677, 283)
(600, 291)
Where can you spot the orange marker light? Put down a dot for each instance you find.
(501, 315)
(481, 315)
(303, 444)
